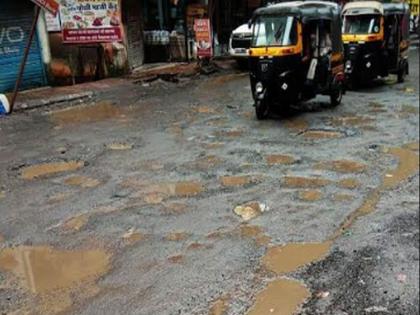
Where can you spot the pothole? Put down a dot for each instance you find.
(82, 181)
(279, 159)
(46, 169)
(304, 182)
(342, 166)
(310, 195)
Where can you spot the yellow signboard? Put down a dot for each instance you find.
(414, 7)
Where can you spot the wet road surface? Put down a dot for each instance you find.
(173, 199)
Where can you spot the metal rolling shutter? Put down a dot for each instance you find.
(15, 24)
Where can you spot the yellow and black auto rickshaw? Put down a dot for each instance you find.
(376, 40)
(296, 53)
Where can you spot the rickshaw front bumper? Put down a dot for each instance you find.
(278, 87)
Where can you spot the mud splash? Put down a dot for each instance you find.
(84, 114)
(281, 297)
(305, 182)
(82, 181)
(40, 271)
(46, 169)
(278, 159)
(310, 195)
(342, 166)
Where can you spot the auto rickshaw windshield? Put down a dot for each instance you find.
(361, 24)
(274, 31)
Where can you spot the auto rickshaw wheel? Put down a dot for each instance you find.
(261, 109)
(402, 73)
(336, 96)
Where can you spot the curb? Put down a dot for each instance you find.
(38, 103)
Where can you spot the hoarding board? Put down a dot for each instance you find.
(203, 38)
(90, 21)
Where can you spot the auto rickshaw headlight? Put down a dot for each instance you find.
(259, 88)
(368, 64)
(285, 86)
(348, 64)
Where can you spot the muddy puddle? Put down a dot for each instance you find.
(408, 165)
(157, 193)
(351, 121)
(297, 124)
(176, 236)
(349, 183)
(235, 181)
(279, 159)
(256, 233)
(99, 111)
(281, 297)
(46, 169)
(310, 195)
(220, 306)
(342, 166)
(322, 134)
(40, 271)
(342, 197)
(76, 223)
(119, 146)
(284, 296)
(82, 181)
(305, 182)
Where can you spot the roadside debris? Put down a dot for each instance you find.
(250, 210)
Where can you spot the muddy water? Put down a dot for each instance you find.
(76, 223)
(290, 257)
(83, 114)
(305, 182)
(408, 165)
(232, 181)
(220, 307)
(310, 195)
(41, 170)
(82, 181)
(120, 146)
(285, 296)
(342, 166)
(278, 159)
(256, 233)
(156, 193)
(320, 134)
(40, 269)
(281, 297)
(349, 183)
(297, 124)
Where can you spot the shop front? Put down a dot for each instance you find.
(15, 24)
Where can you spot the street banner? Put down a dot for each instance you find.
(203, 38)
(53, 22)
(90, 21)
(49, 5)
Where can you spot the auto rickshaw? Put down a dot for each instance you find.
(296, 53)
(376, 40)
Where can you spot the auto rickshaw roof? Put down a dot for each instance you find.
(307, 10)
(374, 7)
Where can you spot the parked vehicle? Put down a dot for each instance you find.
(239, 44)
(376, 40)
(296, 53)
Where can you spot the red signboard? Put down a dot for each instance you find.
(49, 5)
(91, 21)
(203, 38)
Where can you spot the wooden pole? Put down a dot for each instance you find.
(25, 57)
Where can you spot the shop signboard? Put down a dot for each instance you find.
(90, 21)
(53, 22)
(49, 5)
(203, 38)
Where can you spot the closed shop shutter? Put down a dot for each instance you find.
(15, 25)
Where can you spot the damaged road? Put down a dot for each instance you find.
(171, 198)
